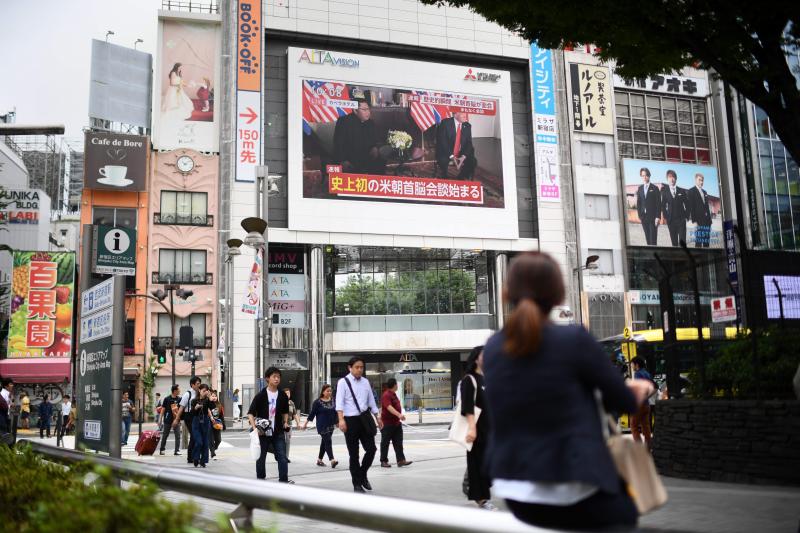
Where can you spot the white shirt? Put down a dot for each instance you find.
(363, 392)
(7, 397)
(544, 493)
(700, 190)
(273, 403)
(672, 190)
(65, 407)
(187, 401)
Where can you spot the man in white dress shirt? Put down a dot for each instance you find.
(352, 425)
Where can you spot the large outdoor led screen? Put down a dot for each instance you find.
(789, 296)
(391, 146)
(666, 203)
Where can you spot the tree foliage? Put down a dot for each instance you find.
(746, 43)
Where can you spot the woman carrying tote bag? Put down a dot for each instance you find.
(547, 455)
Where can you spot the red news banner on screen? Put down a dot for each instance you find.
(404, 187)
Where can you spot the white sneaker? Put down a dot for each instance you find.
(489, 506)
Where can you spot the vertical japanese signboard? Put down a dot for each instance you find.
(249, 59)
(591, 99)
(93, 394)
(545, 126)
(287, 288)
(41, 304)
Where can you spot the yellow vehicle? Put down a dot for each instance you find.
(649, 345)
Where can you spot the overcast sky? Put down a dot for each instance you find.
(45, 53)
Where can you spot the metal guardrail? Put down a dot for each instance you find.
(379, 513)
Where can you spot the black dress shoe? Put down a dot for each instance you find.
(366, 484)
(358, 488)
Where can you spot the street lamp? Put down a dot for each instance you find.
(109, 33)
(257, 229)
(234, 250)
(137, 42)
(160, 295)
(590, 264)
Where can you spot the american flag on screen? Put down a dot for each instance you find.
(319, 102)
(426, 115)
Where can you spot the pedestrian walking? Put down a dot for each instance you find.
(324, 411)
(237, 407)
(201, 425)
(640, 420)
(355, 407)
(45, 414)
(540, 392)
(6, 429)
(185, 413)
(127, 415)
(217, 423)
(7, 392)
(171, 419)
(25, 410)
(392, 430)
(472, 393)
(294, 416)
(63, 420)
(269, 416)
(157, 417)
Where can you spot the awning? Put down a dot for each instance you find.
(36, 369)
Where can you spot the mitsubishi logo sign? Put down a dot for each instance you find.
(481, 76)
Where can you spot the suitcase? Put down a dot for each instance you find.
(148, 442)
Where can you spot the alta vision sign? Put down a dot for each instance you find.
(323, 57)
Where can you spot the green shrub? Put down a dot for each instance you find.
(732, 372)
(44, 497)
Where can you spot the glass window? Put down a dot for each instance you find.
(190, 208)
(181, 266)
(381, 281)
(593, 154)
(597, 206)
(114, 216)
(605, 263)
(196, 320)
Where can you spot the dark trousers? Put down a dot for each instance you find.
(61, 429)
(702, 236)
(677, 233)
(278, 443)
(326, 445)
(467, 168)
(216, 440)
(600, 510)
(190, 447)
(44, 423)
(479, 483)
(393, 434)
(175, 431)
(650, 231)
(356, 433)
(201, 432)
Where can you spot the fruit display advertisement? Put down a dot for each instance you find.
(41, 304)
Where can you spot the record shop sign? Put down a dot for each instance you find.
(113, 250)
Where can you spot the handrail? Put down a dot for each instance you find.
(378, 513)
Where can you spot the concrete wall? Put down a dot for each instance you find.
(738, 441)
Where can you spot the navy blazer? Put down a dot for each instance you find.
(545, 422)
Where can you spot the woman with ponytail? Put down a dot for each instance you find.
(547, 456)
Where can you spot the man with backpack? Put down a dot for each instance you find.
(185, 412)
(169, 416)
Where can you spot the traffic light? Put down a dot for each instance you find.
(160, 351)
(162, 357)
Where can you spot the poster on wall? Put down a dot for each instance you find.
(184, 84)
(42, 285)
(590, 98)
(666, 203)
(375, 140)
(545, 125)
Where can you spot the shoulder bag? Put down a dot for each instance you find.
(367, 420)
(634, 464)
(460, 426)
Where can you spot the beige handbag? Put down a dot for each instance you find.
(460, 426)
(635, 465)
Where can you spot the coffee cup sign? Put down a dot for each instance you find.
(116, 162)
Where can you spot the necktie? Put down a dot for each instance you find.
(457, 145)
